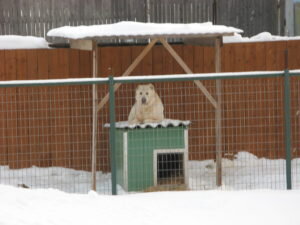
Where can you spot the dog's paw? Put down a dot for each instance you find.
(133, 122)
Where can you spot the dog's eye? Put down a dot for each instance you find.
(141, 93)
(147, 93)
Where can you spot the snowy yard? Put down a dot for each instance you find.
(52, 207)
(245, 172)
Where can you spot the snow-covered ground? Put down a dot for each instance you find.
(52, 207)
(246, 171)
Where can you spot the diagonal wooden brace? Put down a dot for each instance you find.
(129, 70)
(184, 66)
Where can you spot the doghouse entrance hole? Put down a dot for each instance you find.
(170, 168)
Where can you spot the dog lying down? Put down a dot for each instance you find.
(148, 107)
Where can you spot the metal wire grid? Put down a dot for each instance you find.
(252, 133)
(46, 138)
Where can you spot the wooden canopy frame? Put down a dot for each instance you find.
(206, 33)
(216, 103)
(203, 36)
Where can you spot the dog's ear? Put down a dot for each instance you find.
(137, 87)
(151, 86)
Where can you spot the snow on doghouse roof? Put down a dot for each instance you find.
(164, 123)
(127, 30)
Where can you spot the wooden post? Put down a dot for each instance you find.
(95, 119)
(218, 113)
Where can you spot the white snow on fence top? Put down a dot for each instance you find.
(127, 29)
(261, 37)
(164, 123)
(22, 42)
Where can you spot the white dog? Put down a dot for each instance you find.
(148, 107)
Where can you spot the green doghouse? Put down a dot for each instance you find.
(151, 154)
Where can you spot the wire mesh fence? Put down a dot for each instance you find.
(295, 127)
(47, 131)
(46, 138)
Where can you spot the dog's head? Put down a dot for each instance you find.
(144, 94)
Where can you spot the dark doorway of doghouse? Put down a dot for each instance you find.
(170, 168)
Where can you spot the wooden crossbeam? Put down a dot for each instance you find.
(129, 70)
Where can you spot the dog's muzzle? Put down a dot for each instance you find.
(144, 100)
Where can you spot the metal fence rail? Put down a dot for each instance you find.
(46, 134)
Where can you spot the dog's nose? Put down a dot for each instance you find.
(144, 100)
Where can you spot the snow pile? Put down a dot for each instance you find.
(52, 207)
(130, 29)
(68, 180)
(261, 37)
(245, 171)
(22, 42)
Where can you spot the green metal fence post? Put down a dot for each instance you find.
(112, 135)
(287, 128)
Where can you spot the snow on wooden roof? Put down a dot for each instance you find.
(22, 42)
(127, 30)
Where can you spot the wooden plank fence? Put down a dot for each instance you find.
(51, 126)
(36, 17)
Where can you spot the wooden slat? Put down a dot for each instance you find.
(60, 111)
(197, 137)
(33, 109)
(193, 101)
(281, 48)
(209, 66)
(188, 55)
(94, 115)
(126, 60)
(259, 106)
(24, 151)
(293, 63)
(104, 71)
(168, 91)
(116, 70)
(3, 116)
(11, 112)
(293, 54)
(218, 114)
(177, 69)
(238, 97)
(225, 104)
(271, 99)
(45, 158)
(76, 119)
(85, 70)
(228, 106)
(250, 143)
(157, 68)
